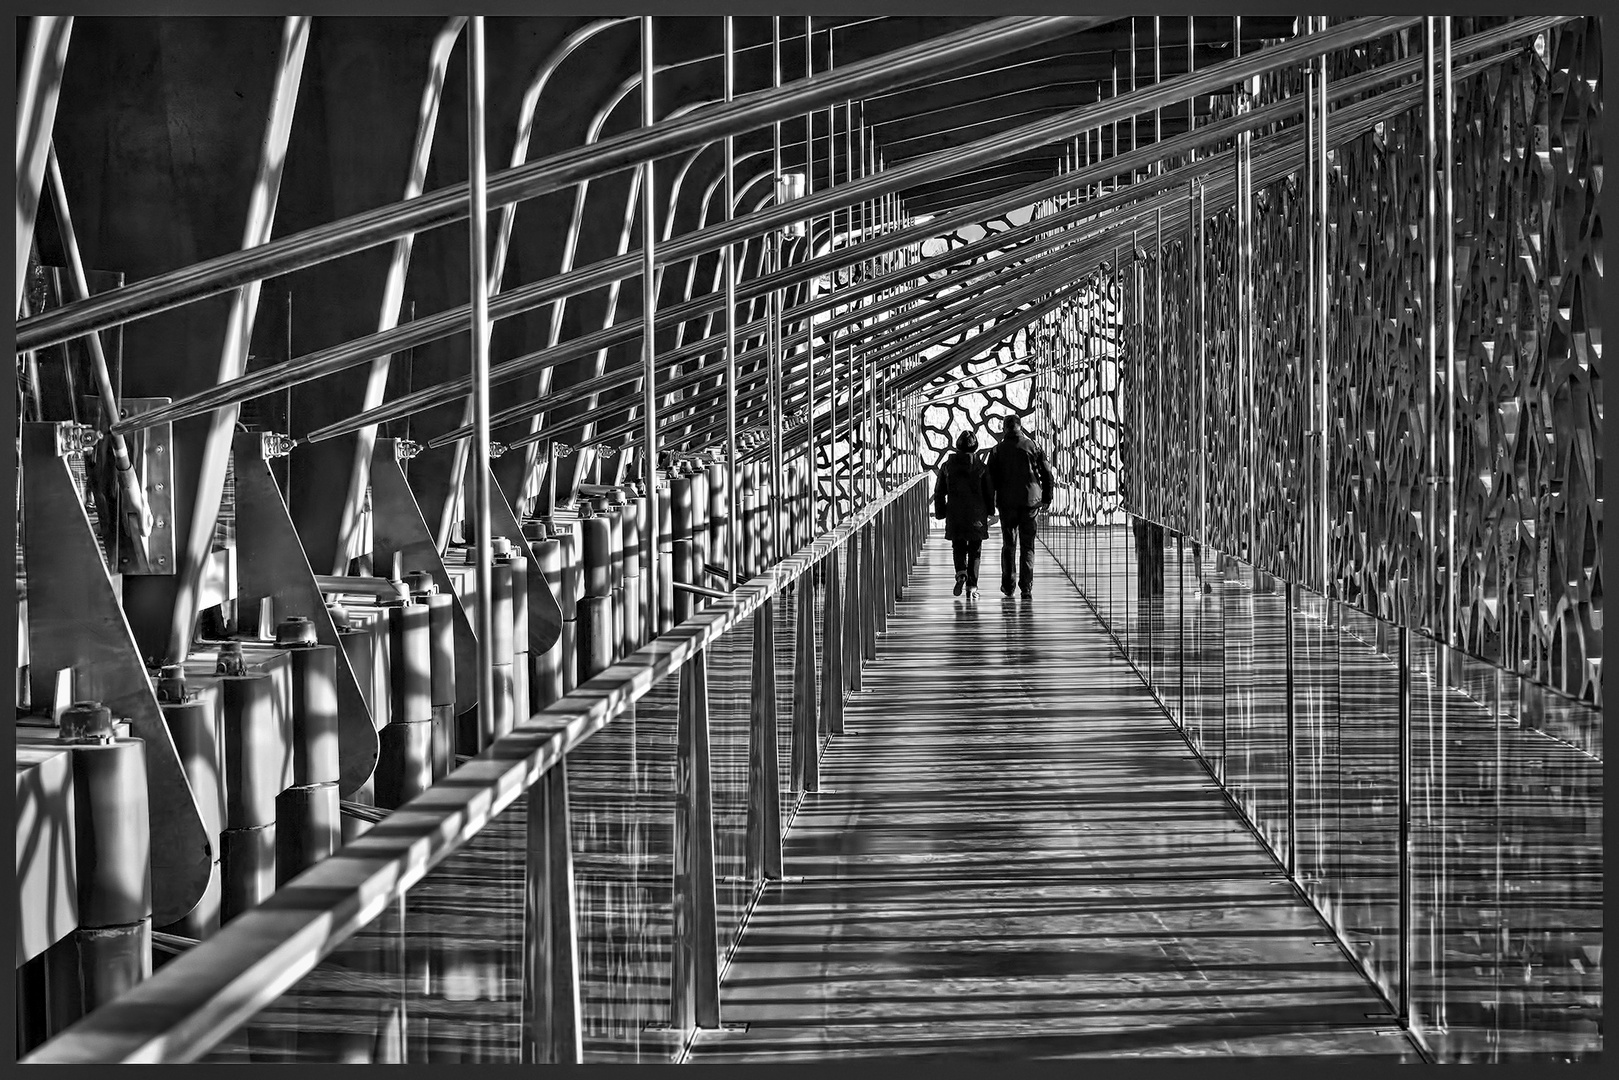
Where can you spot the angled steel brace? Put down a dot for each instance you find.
(75, 621)
(271, 563)
(397, 526)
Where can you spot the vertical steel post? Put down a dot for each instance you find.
(1403, 840)
(1160, 453)
(1157, 77)
(764, 782)
(777, 491)
(649, 304)
(733, 561)
(1320, 301)
(552, 1028)
(812, 470)
(1191, 66)
(805, 760)
(1430, 330)
(477, 233)
(1448, 290)
(694, 983)
(1292, 738)
(835, 505)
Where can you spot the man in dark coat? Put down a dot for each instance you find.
(965, 500)
(1022, 481)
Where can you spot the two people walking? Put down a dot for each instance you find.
(1015, 480)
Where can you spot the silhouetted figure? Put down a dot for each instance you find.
(1022, 481)
(965, 500)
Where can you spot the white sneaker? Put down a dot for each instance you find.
(972, 594)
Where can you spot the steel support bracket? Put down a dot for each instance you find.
(75, 621)
(271, 563)
(397, 527)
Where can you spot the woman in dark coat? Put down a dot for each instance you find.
(964, 498)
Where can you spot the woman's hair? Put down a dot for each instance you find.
(967, 442)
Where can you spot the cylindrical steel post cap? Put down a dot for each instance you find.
(420, 583)
(595, 635)
(340, 616)
(520, 569)
(194, 727)
(499, 545)
(86, 721)
(255, 750)
(572, 580)
(410, 663)
(314, 714)
(112, 832)
(441, 635)
(294, 631)
(501, 648)
(596, 553)
(681, 505)
(634, 514)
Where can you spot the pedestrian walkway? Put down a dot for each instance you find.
(1014, 855)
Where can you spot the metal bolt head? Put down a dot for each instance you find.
(86, 722)
(231, 661)
(295, 632)
(171, 684)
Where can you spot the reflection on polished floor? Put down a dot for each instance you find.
(1014, 855)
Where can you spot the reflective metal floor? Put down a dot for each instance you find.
(1014, 855)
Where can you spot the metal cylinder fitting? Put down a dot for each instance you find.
(86, 722)
(595, 635)
(596, 556)
(246, 869)
(256, 751)
(522, 695)
(307, 828)
(112, 832)
(293, 631)
(547, 666)
(410, 662)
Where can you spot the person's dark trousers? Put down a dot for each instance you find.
(1017, 526)
(966, 553)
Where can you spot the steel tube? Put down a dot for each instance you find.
(450, 204)
(1321, 301)
(928, 167)
(479, 286)
(1448, 286)
(649, 402)
(39, 85)
(1428, 615)
(734, 488)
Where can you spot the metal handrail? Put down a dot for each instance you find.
(202, 996)
(449, 204)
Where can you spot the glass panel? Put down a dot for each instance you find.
(1362, 896)
(1122, 570)
(1267, 733)
(1205, 659)
(1167, 661)
(1236, 592)
(437, 977)
(1316, 724)
(730, 684)
(786, 644)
